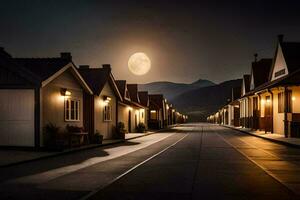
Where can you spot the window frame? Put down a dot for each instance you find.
(68, 109)
(107, 112)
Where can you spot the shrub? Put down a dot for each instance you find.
(121, 127)
(141, 128)
(120, 130)
(98, 137)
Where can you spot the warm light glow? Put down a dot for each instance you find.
(106, 99)
(129, 108)
(263, 102)
(268, 101)
(167, 107)
(139, 63)
(293, 98)
(68, 93)
(65, 92)
(152, 111)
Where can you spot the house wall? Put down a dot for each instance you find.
(278, 123)
(279, 64)
(52, 102)
(244, 110)
(106, 128)
(123, 112)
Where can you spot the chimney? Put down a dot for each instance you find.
(106, 66)
(84, 66)
(66, 55)
(255, 57)
(280, 38)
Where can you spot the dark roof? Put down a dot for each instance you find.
(133, 92)
(261, 70)
(291, 52)
(246, 81)
(42, 67)
(144, 98)
(8, 62)
(121, 84)
(95, 78)
(236, 93)
(156, 99)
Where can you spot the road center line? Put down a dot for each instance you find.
(131, 169)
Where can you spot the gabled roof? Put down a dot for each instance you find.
(291, 52)
(98, 77)
(133, 92)
(156, 99)
(7, 62)
(260, 71)
(236, 93)
(43, 67)
(246, 82)
(121, 84)
(144, 98)
(95, 77)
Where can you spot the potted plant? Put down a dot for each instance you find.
(120, 131)
(98, 138)
(141, 128)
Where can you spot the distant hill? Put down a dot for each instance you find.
(201, 102)
(170, 90)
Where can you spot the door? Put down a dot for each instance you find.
(17, 117)
(129, 121)
(236, 117)
(135, 120)
(268, 114)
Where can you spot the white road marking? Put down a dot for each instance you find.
(131, 169)
(112, 153)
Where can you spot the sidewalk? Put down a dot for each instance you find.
(274, 137)
(12, 157)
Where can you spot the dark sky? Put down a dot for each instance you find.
(185, 40)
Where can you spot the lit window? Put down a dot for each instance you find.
(107, 112)
(72, 110)
(153, 114)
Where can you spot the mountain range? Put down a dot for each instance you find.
(170, 90)
(198, 99)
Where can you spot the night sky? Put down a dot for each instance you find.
(185, 40)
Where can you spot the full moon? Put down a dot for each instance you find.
(139, 63)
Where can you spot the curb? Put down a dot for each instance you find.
(269, 139)
(80, 149)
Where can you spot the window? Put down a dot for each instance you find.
(72, 110)
(280, 102)
(107, 112)
(153, 114)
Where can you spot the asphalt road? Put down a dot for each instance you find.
(193, 161)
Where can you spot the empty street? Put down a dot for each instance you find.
(191, 161)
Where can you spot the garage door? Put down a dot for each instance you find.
(16, 117)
